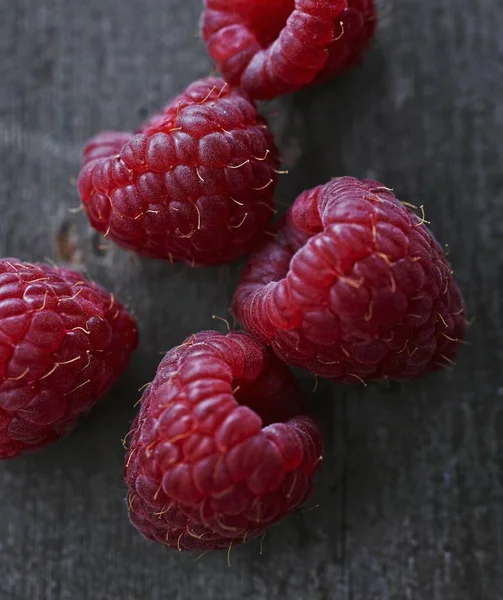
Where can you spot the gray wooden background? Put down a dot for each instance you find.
(410, 503)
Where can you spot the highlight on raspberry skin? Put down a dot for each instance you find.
(218, 453)
(354, 288)
(274, 47)
(195, 184)
(63, 342)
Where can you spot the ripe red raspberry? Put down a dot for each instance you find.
(273, 47)
(354, 287)
(195, 184)
(217, 454)
(63, 343)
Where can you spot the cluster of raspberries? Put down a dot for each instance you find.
(350, 285)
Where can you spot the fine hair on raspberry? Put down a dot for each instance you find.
(354, 288)
(63, 342)
(195, 184)
(218, 452)
(273, 47)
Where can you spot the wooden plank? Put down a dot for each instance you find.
(410, 501)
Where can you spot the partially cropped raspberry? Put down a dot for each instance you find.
(354, 288)
(63, 343)
(273, 47)
(195, 184)
(217, 454)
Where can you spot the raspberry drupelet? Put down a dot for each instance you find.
(353, 288)
(63, 342)
(218, 454)
(195, 184)
(273, 47)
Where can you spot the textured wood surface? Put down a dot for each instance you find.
(411, 497)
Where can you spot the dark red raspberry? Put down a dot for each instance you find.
(273, 47)
(217, 454)
(354, 287)
(63, 343)
(195, 184)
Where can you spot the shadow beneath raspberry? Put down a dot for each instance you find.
(392, 452)
(317, 128)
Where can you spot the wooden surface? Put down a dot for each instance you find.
(411, 497)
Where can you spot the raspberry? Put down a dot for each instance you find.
(63, 343)
(217, 454)
(354, 287)
(195, 184)
(273, 47)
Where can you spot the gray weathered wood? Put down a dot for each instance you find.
(411, 498)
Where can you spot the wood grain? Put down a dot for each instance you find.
(411, 498)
